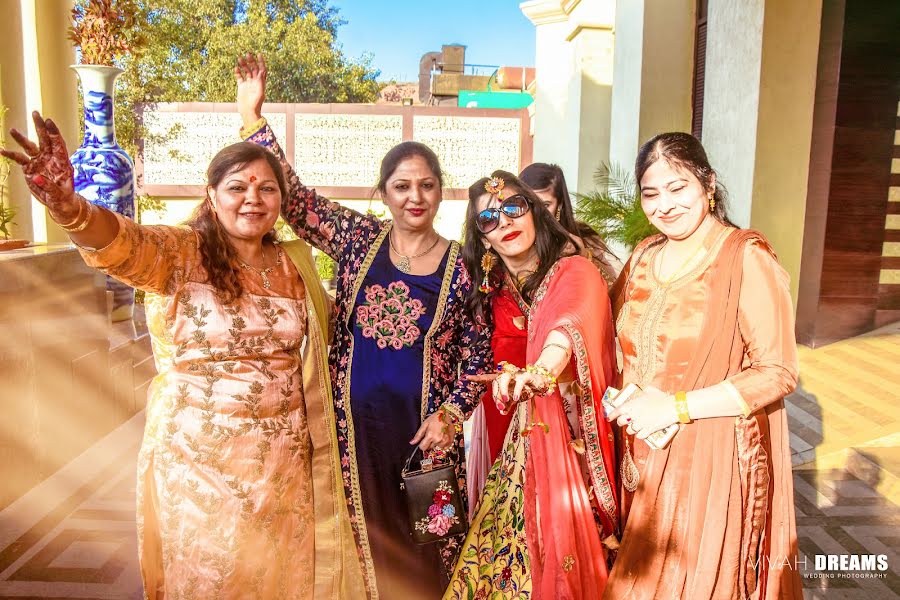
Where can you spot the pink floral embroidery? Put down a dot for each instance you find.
(389, 315)
(442, 514)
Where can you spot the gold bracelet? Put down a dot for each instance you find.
(450, 419)
(505, 367)
(681, 407)
(81, 226)
(539, 369)
(560, 346)
(246, 132)
(77, 218)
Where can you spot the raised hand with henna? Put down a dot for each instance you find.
(50, 177)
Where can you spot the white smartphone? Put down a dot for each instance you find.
(613, 398)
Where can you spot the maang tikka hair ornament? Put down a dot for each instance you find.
(494, 186)
(487, 265)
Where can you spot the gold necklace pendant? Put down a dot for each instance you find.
(264, 273)
(403, 265)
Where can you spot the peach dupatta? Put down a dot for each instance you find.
(713, 515)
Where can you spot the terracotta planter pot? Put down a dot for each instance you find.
(13, 244)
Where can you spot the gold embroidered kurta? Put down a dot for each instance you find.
(227, 498)
(712, 516)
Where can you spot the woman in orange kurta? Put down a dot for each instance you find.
(238, 474)
(705, 322)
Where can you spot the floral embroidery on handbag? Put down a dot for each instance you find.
(389, 315)
(442, 514)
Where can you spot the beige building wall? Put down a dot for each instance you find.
(653, 73)
(35, 75)
(574, 62)
(757, 116)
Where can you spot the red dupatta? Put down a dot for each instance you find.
(565, 546)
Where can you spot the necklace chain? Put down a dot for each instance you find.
(404, 265)
(680, 269)
(264, 273)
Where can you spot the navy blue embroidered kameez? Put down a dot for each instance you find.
(451, 347)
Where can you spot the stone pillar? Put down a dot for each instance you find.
(574, 45)
(12, 97)
(653, 73)
(758, 112)
(51, 87)
(36, 55)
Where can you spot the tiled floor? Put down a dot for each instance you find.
(73, 536)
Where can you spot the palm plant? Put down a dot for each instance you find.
(614, 208)
(7, 213)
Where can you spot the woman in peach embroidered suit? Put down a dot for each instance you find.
(238, 474)
(549, 502)
(705, 321)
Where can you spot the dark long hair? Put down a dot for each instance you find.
(544, 176)
(684, 151)
(217, 255)
(551, 243)
(401, 152)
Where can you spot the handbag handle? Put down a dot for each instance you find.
(411, 457)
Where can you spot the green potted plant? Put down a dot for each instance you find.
(7, 210)
(326, 267)
(614, 208)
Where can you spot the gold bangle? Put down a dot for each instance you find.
(681, 407)
(84, 223)
(560, 346)
(539, 369)
(505, 367)
(246, 132)
(450, 419)
(77, 218)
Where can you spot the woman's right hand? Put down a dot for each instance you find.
(250, 73)
(48, 172)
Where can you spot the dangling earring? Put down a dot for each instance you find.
(558, 212)
(712, 203)
(487, 264)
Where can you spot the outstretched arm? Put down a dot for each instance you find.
(49, 176)
(143, 257)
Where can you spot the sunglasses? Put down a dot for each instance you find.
(513, 207)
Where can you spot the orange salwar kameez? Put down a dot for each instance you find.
(712, 515)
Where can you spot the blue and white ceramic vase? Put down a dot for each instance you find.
(104, 173)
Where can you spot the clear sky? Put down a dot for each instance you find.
(398, 32)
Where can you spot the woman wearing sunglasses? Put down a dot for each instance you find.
(489, 426)
(549, 502)
(402, 338)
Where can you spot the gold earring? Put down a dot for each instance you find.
(712, 203)
(488, 260)
(558, 208)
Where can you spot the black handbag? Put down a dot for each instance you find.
(435, 506)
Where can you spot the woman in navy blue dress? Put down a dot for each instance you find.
(402, 346)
